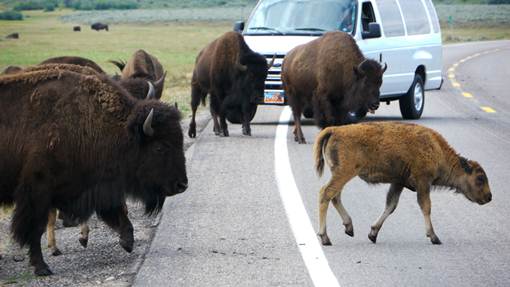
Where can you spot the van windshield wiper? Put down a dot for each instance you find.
(310, 29)
(267, 29)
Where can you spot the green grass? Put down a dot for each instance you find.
(176, 45)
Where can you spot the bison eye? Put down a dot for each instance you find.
(480, 180)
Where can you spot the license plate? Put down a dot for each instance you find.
(274, 98)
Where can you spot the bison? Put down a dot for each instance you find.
(403, 155)
(12, 36)
(143, 65)
(135, 87)
(99, 26)
(77, 29)
(65, 136)
(233, 75)
(330, 75)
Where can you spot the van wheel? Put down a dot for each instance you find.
(412, 103)
(235, 116)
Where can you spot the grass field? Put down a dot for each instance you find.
(175, 36)
(176, 45)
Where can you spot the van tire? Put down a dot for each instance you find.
(412, 103)
(234, 116)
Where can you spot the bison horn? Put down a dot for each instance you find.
(385, 67)
(151, 94)
(272, 62)
(147, 125)
(160, 81)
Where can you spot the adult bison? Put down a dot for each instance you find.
(99, 26)
(65, 136)
(331, 75)
(143, 65)
(233, 75)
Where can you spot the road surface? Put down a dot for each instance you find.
(231, 227)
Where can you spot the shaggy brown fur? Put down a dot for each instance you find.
(81, 127)
(331, 75)
(404, 155)
(233, 75)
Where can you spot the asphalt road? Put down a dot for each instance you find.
(231, 229)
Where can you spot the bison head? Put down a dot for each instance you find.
(159, 167)
(473, 182)
(367, 82)
(251, 76)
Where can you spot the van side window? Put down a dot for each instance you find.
(415, 17)
(367, 16)
(433, 15)
(391, 18)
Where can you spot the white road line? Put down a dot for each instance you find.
(306, 240)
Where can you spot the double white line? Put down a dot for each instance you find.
(306, 240)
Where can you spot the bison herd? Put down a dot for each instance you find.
(79, 141)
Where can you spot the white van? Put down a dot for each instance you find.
(405, 34)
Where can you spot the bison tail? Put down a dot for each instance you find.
(318, 149)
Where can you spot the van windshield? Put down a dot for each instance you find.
(297, 17)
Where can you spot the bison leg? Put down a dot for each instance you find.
(215, 111)
(223, 125)
(84, 234)
(346, 218)
(247, 108)
(118, 220)
(331, 190)
(392, 198)
(196, 95)
(28, 224)
(298, 132)
(50, 233)
(425, 205)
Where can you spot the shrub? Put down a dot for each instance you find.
(104, 4)
(11, 15)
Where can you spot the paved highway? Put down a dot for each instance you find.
(231, 228)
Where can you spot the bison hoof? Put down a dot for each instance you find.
(325, 239)
(84, 242)
(56, 252)
(302, 141)
(225, 133)
(43, 271)
(372, 237)
(192, 132)
(349, 229)
(127, 245)
(435, 240)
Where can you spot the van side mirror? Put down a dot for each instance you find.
(239, 26)
(374, 31)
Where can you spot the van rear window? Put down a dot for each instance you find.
(415, 17)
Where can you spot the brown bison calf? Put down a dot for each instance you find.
(404, 155)
(331, 75)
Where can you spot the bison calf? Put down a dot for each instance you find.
(404, 155)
